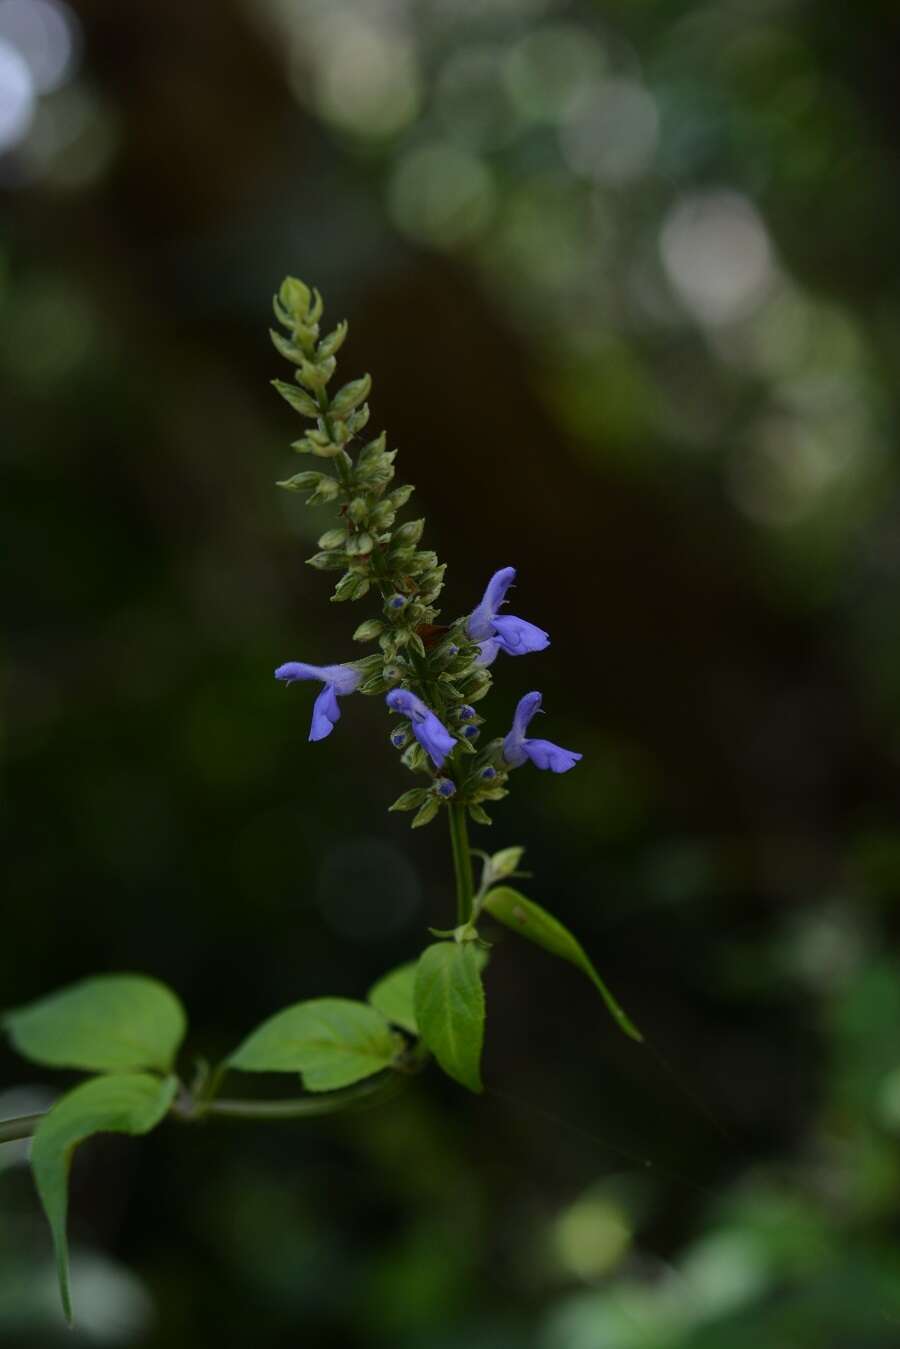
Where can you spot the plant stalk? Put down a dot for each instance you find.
(371, 1092)
(462, 862)
(23, 1127)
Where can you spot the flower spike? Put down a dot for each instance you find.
(433, 674)
(338, 680)
(428, 729)
(495, 632)
(517, 747)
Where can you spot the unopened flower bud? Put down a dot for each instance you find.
(351, 395)
(369, 630)
(330, 345)
(410, 533)
(505, 862)
(445, 788)
(295, 297)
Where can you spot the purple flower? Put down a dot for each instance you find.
(430, 732)
(505, 632)
(338, 680)
(517, 747)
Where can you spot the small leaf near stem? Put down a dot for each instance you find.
(536, 924)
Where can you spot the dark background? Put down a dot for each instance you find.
(625, 277)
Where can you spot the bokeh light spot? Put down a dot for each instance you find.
(45, 34)
(889, 1101)
(17, 96)
(775, 479)
(724, 1271)
(550, 69)
(367, 80)
(612, 132)
(442, 195)
(591, 1237)
(716, 254)
(472, 100)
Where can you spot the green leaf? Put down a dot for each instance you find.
(327, 561)
(332, 343)
(358, 419)
(410, 800)
(506, 861)
(301, 482)
(298, 399)
(411, 532)
(360, 545)
(394, 997)
(368, 630)
(110, 1023)
(331, 1042)
(400, 495)
(350, 396)
(295, 297)
(123, 1104)
(288, 350)
(539, 926)
(449, 1009)
(350, 587)
(426, 813)
(333, 538)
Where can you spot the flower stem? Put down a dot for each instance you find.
(462, 861)
(371, 1092)
(23, 1127)
(188, 1110)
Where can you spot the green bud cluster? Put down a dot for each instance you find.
(365, 546)
(376, 553)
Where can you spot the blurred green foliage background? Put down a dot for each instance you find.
(625, 275)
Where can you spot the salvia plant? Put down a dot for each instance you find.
(126, 1030)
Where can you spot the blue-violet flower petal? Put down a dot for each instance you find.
(428, 729)
(518, 748)
(338, 680)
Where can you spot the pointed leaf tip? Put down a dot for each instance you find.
(132, 1103)
(530, 920)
